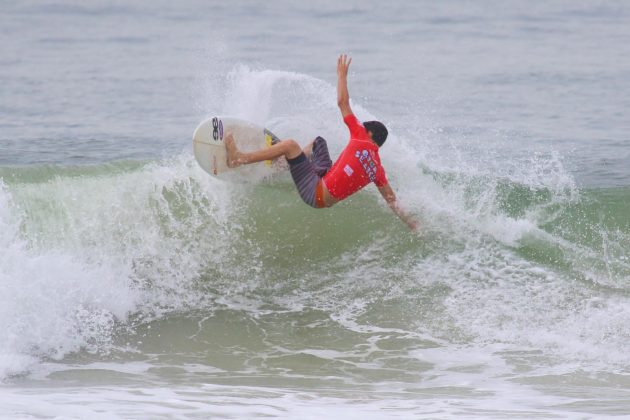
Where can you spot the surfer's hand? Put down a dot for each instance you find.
(343, 63)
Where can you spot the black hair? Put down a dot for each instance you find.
(378, 130)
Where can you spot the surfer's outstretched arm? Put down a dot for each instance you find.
(343, 97)
(389, 196)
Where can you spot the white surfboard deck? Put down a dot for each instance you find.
(209, 146)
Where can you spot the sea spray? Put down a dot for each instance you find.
(85, 252)
(110, 250)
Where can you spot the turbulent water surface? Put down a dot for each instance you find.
(134, 285)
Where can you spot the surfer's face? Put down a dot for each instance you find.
(371, 138)
(377, 131)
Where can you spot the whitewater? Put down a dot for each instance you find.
(135, 285)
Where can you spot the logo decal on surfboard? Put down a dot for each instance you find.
(217, 129)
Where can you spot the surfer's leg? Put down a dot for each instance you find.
(321, 157)
(308, 150)
(290, 149)
(305, 179)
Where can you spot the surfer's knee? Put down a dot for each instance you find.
(291, 144)
(291, 148)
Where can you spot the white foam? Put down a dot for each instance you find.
(87, 252)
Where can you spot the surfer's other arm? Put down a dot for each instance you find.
(389, 196)
(343, 97)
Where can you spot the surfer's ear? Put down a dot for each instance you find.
(377, 130)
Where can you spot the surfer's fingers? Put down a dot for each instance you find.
(344, 61)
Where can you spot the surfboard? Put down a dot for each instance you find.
(209, 146)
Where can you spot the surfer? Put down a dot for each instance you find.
(321, 183)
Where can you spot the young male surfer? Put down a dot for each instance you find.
(321, 183)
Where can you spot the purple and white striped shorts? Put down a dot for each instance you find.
(307, 173)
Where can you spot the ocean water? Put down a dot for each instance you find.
(134, 285)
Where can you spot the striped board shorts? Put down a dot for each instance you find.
(307, 173)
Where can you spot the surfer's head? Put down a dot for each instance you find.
(377, 131)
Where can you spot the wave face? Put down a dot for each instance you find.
(515, 268)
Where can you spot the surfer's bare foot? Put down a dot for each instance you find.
(233, 155)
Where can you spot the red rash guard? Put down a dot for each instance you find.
(358, 165)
